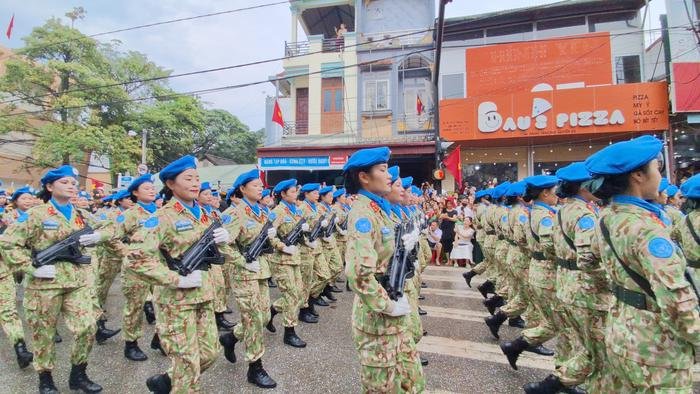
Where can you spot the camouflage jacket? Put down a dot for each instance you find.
(285, 221)
(312, 214)
(677, 218)
(341, 214)
(370, 248)
(688, 243)
(327, 211)
(244, 227)
(44, 225)
(663, 336)
(543, 270)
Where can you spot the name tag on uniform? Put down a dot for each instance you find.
(49, 225)
(249, 224)
(183, 225)
(288, 219)
(386, 233)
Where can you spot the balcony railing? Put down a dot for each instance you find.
(295, 128)
(303, 47)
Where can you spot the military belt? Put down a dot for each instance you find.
(630, 297)
(694, 263)
(501, 237)
(490, 232)
(511, 242)
(568, 264)
(538, 256)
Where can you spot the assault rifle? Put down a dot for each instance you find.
(199, 256)
(316, 230)
(259, 244)
(344, 224)
(401, 267)
(330, 229)
(293, 237)
(67, 249)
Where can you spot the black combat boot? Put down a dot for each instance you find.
(149, 312)
(159, 384)
(311, 307)
(24, 356)
(468, 276)
(549, 385)
(259, 377)
(46, 384)
(421, 297)
(512, 350)
(421, 312)
(423, 361)
(494, 302)
(495, 322)
(329, 294)
(270, 326)
(292, 339)
(133, 352)
(541, 350)
(486, 288)
(79, 380)
(228, 341)
(155, 344)
(103, 333)
(335, 289)
(306, 316)
(221, 323)
(319, 301)
(516, 322)
(271, 283)
(57, 338)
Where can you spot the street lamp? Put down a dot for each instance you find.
(144, 139)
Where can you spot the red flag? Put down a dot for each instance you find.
(453, 164)
(419, 105)
(277, 114)
(263, 178)
(10, 26)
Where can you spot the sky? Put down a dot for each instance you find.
(217, 41)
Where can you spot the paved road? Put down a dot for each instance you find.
(463, 356)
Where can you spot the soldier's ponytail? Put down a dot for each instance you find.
(44, 194)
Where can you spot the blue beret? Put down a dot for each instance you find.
(367, 158)
(3, 192)
(22, 190)
(309, 187)
(542, 181)
(623, 157)
(122, 194)
(663, 185)
(574, 172)
(140, 181)
(325, 190)
(500, 190)
(215, 193)
(672, 190)
(205, 186)
(479, 194)
(159, 196)
(246, 177)
(488, 192)
(691, 187)
(108, 198)
(516, 189)
(284, 185)
(416, 190)
(58, 173)
(229, 193)
(265, 193)
(394, 171)
(407, 182)
(83, 194)
(339, 193)
(177, 167)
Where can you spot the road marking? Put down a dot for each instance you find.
(466, 293)
(480, 351)
(455, 314)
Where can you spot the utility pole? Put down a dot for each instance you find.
(436, 79)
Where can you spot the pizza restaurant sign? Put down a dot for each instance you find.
(588, 110)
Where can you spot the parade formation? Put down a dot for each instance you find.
(593, 257)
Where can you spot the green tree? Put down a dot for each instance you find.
(226, 136)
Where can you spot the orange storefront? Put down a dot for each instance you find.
(532, 107)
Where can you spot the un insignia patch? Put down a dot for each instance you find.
(151, 222)
(363, 225)
(546, 222)
(586, 223)
(661, 248)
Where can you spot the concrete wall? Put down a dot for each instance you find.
(381, 16)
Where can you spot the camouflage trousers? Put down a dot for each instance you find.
(335, 262)
(188, 336)
(107, 270)
(307, 273)
(253, 300)
(342, 247)
(228, 274)
(631, 377)
(136, 292)
(9, 319)
(291, 286)
(321, 275)
(415, 328)
(569, 351)
(216, 275)
(544, 302)
(42, 308)
(517, 266)
(389, 363)
(589, 363)
(504, 286)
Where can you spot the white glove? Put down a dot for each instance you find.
(327, 239)
(45, 272)
(342, 232)
(324, 223)
(271, 232)
(305, 227)
(401, 307)
(190, 281)
(89, 239)
(289, 249)
(425, 231)
(312, 245)
(409, 241)
(335, 220)
(253, 267)
(221, 236)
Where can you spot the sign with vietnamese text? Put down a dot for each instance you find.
(302, 162)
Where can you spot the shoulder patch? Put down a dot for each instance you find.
(522, 219)
(151, 222)
(363, 225)
(661, 248)
(288, 219)
(273, 216)
(120, 219)
(183, 225)
(22, 218)
(226, 218)
(103, 216)
(546, 222)
(586, 223)
(504, 218)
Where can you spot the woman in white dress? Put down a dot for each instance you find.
(463, 247)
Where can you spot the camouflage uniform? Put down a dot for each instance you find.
(314, 267)
(286, 268)
(9, 319)
(341, 239)
(216, 273)
(518, 261)
(650, 342)
(108, 257)
(415, 326)
(489, 245)
(69, 292)
(481, 234)
(499, 221)
(249, 288)
(184, 317)
(677, 218)
(330, 248)
(688, 242)
(388, 356)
